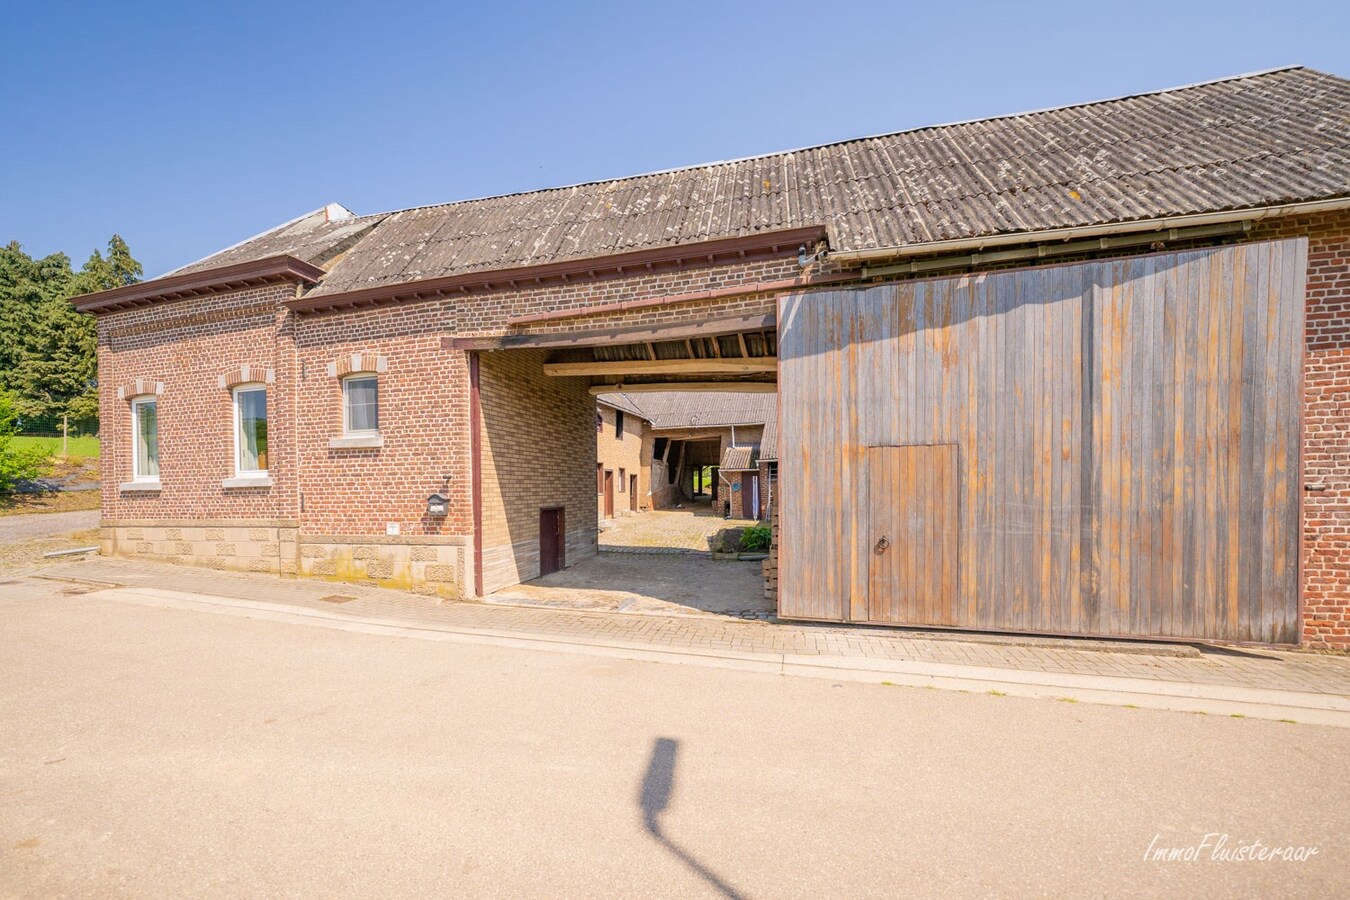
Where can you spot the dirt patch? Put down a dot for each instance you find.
(29, 552)
(55, 501)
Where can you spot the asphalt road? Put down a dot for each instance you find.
(39, 525)
(154, 752)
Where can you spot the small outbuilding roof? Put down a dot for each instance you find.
(741, 459)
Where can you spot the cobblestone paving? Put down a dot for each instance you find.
(669, 583)
(687, 529)
(1257, 668)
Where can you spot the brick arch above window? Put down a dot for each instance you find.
(246, 374)
(139, 387)
(352, 363)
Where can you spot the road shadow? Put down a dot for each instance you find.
(657, 787)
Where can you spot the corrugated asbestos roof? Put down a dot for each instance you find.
(1256, 140)
(692, 409)
(740, 459)
(621, 401)
(316, 238)
(768, 443)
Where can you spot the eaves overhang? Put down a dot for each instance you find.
(765, 245)
(270, 270)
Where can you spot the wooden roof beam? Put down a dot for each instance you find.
(740, 387)
(664, 367)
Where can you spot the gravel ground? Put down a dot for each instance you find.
(42, 525)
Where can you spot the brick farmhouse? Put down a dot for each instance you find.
(1082, 370)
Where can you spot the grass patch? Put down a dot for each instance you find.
(82, 447)
(997, 694)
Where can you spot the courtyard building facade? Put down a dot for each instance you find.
(1020, 367)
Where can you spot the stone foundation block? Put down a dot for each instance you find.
(380, 568)
(442, 573)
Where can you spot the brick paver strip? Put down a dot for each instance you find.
(1261, 668)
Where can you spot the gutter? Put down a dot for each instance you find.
(1250, 214)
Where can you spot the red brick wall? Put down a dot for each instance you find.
(424, 424)
(188, 346)
(1326, 426)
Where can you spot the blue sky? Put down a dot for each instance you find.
(189, 126)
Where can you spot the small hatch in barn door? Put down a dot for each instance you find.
(913, 515)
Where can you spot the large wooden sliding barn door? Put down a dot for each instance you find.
(1124, 447)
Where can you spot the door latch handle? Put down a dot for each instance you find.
(883, 545)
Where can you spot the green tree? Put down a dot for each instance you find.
(48, 351)
(16, 463)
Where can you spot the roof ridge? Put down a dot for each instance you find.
(853, 140)
(273, 230)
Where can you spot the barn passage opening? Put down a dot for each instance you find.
(610, 472)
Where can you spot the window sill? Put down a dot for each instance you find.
(252, 481)
(128, 487)
(356, 442)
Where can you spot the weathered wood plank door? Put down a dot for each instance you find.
(1127, 438)
(912, 529)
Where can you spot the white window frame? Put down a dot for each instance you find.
(234, 403)
(136, 404)
(347, 429)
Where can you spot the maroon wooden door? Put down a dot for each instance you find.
(632, 492)
(552, 543)
(609, 494)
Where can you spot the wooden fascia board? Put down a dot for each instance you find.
(194, 284)
(703, 253)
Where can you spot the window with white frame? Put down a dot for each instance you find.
(360, 404)
(250, 430)
(145, 439)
